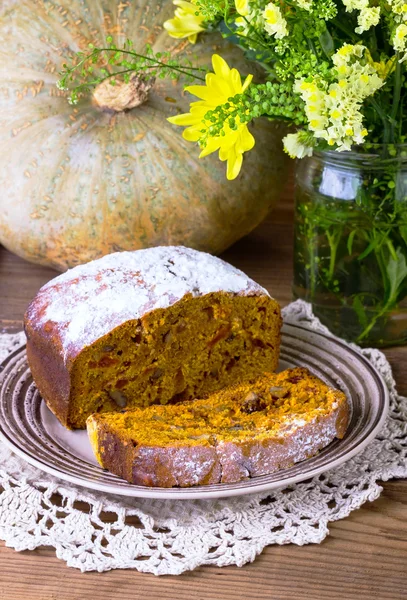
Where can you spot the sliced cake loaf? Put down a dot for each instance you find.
(243, 431)
(152, 326)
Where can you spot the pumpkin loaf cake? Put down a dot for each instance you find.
(249, 429)
(159, 325)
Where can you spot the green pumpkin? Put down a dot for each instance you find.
(81, 181)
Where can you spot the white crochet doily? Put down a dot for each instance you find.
(169, 537)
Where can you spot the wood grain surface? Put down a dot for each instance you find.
(364, 557)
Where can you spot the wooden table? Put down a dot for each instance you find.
(365, 556)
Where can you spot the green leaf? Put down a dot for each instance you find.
(397, 272)
(391, 249)
(403, 232)
(327, 43)
(373, 244)
(350, 241)
(359, 309)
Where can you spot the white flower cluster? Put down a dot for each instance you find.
(399, 38)
(305, 5)
(295, 147)
(399, 8)
(274, 22)
(333, 111)
(368, 17)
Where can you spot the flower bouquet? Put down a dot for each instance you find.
(334, 70)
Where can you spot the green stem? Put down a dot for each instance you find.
(373, 322)
(312, 258)
(396, 95)
(333, 239)
(154, 60)
(389, 302)
(349, 32)
(311, 46)
(155, 63)
(383, 116)
(313, 278)
(401, 121)
(332, 260)
(382, 266)
(258, 42)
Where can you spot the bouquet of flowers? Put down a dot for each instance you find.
(333, 68)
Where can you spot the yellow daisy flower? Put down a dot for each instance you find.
(220, 86)
(186, 22)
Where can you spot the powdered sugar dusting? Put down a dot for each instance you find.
(297, 440)
(185, 465)
(90, 300)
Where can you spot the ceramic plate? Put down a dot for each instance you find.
(32, 431)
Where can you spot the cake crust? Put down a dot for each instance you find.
(87, 302)
(287, 430)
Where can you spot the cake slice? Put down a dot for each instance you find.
(243, 431)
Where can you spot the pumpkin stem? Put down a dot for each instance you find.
(122, 96)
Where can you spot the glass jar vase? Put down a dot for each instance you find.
(350, 256)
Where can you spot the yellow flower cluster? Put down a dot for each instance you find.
(399, 38)
(333, 111)
(187, 23)
(274, 22)
(368, 17)
(223, 83)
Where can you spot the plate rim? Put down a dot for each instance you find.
(198, 492)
